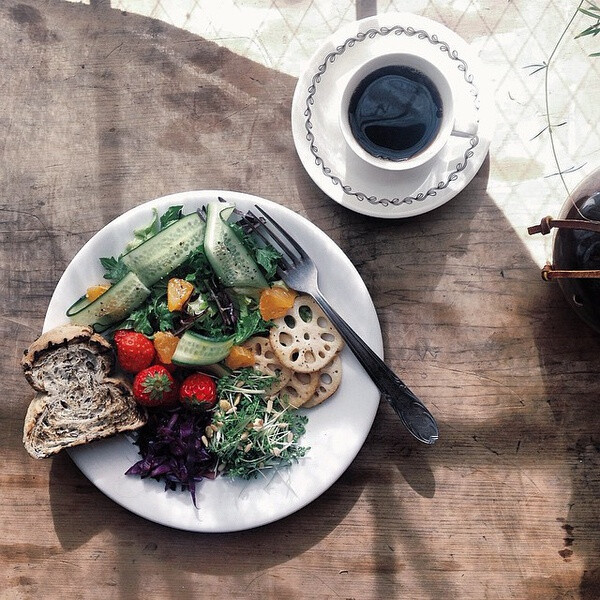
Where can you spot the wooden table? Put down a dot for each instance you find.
(103, 109)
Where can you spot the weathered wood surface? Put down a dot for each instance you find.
(101, 111)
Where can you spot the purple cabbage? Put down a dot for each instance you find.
(172, 449)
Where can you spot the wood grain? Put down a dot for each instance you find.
(103, 110)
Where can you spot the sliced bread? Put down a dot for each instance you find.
(76, 400)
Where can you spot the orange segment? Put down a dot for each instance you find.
(165, 344)
(240, 357)
(178, 293)
(275, 302)
(95, 291)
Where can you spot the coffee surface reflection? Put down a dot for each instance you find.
(395, 112)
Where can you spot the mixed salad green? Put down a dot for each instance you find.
(221, 305)
(246, 430)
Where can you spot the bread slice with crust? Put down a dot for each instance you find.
(76, 400)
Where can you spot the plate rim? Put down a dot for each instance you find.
(81, 454)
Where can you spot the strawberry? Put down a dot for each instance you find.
(134, 350)
(172, 368)
(154, 386)
(198, 391)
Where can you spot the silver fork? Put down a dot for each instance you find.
(299, 271)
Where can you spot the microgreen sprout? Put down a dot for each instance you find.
(254, 432)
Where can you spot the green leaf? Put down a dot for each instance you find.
(268, 259)
(248, 324)
(114, 268)
(139, 320)
(144, 233)
(264, 255)
(591, 30)
(589, 12)
(164, 317)
(172, 214)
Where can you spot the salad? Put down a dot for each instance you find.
(184, 304)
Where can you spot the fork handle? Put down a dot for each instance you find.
(412, 412)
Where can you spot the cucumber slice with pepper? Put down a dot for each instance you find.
(194, 350)
(164, 252)
(112, 306)
(226, 253)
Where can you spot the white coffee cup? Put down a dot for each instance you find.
(449, 124)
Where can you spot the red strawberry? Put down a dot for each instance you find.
(198, 391)
(172, 368)
(134, 350)
(155, 386)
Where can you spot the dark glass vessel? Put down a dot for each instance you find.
(577, 249)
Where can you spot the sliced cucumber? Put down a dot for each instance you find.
(79, 305)
(112, 306)
(158, 256)
(228, 257)
(194, 349)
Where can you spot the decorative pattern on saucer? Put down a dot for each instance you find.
(360, 37)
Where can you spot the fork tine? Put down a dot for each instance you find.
(254, 223)
(288, 257)
(287, 236)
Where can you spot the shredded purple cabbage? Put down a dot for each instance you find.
(172, 449)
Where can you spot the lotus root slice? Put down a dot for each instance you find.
(267, 363)
(330, 378)
(304, 340)
(299, 389)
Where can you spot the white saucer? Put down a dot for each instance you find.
(353, 182)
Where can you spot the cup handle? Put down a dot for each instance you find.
(466, 128)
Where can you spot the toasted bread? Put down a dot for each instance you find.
(76, 400)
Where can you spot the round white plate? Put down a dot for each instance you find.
(356, 184)
(336, 429)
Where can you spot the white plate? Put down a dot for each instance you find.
(336, 429)
(319, 141)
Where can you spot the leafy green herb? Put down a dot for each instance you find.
(196, 269)
(172, 214)
(154, 315)
(265, 255)
(268, 259)
(164, 317)
(249, 320)
(242, 235)
(247, 325)
(139, 320)
(115, 268)
(144, 233)
(254, 433)
(210, 324)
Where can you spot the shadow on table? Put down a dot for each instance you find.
(575, 407)
(81, 512)
(532, 332)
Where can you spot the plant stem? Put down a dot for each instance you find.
(547, 101)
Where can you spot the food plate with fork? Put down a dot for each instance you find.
(336, 429)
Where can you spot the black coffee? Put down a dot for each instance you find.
(395, 112)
